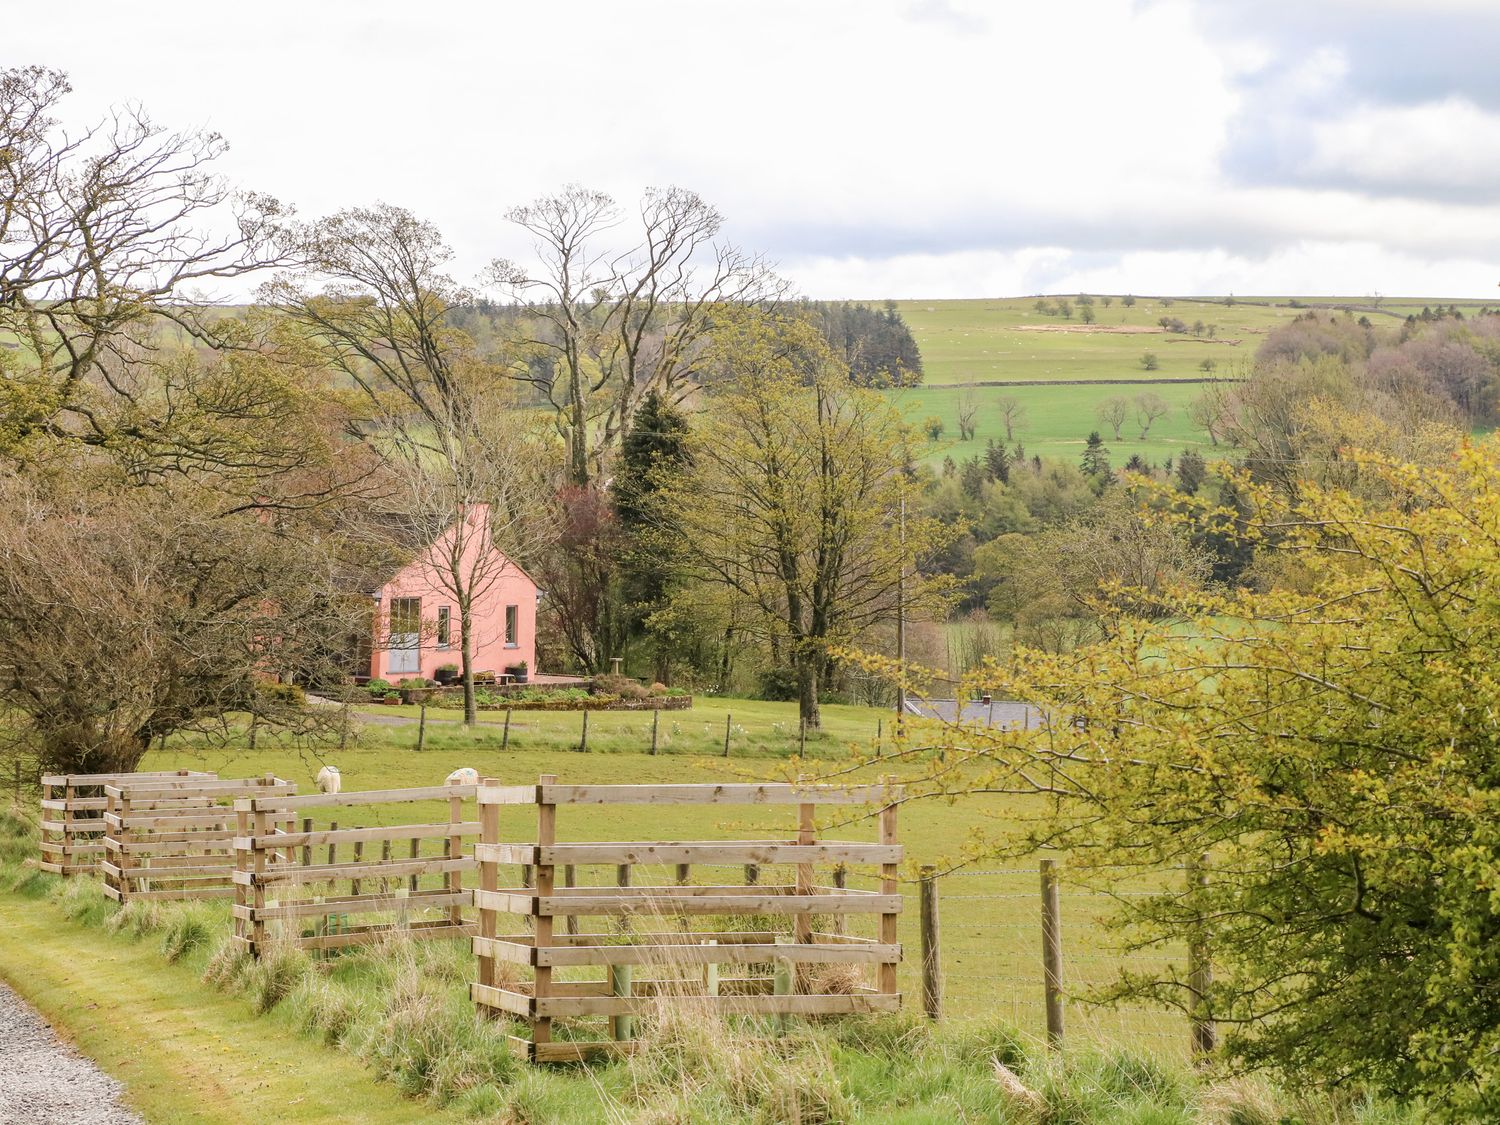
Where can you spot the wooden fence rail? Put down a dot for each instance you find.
(176, 841)
(72, 821)
(284, 878)
(777, 980)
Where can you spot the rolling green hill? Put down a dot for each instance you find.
(1066, 368)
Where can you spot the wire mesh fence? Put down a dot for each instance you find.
(991, 955)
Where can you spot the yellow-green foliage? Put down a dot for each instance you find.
(1333, 752)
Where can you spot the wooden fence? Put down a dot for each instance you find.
(72, 823)
(778, 981)
(286, 880)
(176, 840)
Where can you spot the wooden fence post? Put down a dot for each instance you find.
(728, 718)
(1052, 952)
(242, 848)
(570, 879)
(455, 850)
(655, 722)
(583, 742)
(752, 874)
(546, 837)
(307, 848)
(1200, 970)
(422, 726)
(260, 826)
(621, 1027)
(505, 735)
(932, 956)
(841, 882)
(889, 886)
(489, 880)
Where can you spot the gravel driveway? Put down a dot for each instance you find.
(43, 1081)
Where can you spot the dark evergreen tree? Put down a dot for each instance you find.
(997, 460)
(653, 452)
(972, 476)
(1095, 461)
(1191, 471)
(876, 344)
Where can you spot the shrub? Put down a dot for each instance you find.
(622, 686)
(282, 693)
(778, 684)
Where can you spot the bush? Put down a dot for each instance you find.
(378, 686)
(778, 684)
(622, 686)
(282, 693)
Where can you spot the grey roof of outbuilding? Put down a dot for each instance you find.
(996, 713)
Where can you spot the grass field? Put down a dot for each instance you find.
(991, 924)
(968, 343)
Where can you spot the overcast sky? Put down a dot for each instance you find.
(872, 148)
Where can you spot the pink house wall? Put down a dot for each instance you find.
(510, 585)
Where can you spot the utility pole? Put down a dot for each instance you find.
(901, 626)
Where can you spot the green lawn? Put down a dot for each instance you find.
(1059, 420)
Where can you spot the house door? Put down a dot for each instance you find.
(405, 643)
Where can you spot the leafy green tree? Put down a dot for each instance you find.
(794, 503)
(1149, 362)
(1328, 757)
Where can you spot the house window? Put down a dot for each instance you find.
(512, 625)
(445, 627)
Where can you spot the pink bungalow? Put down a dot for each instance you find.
(416, 615)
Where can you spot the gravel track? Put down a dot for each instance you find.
(44, 1081)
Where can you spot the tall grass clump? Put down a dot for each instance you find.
(192, 926)
(81, 899)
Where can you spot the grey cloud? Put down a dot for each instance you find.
(1393, 57)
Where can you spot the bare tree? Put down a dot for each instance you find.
(1112, 412)
(474, 512)
(1148, 408)
(105, 244)
(1012, 413)
(1206, 412)
(375, 299)
(968, 412)
(613, 323)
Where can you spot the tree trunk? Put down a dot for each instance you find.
(807, 691)
(466, 650)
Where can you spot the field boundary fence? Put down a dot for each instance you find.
(1031, 944)
(175, 839)
(72, 820)
(291, 884)
(645, 945)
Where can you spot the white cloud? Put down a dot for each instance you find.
(873, 146)
(1448, 146)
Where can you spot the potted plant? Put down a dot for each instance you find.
(377, 688)
(518, 672)
(391, 699)
(446, 674)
